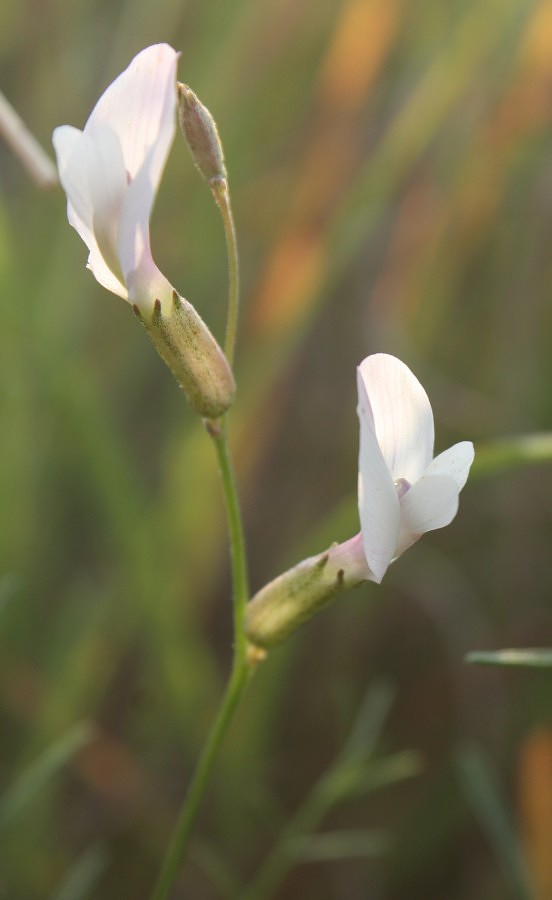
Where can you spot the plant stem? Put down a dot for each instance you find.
(240, 583)
(242, 670)
(244, 663)
(221, 194)
(184, 826)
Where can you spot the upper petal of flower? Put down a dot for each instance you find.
(403, 419)
(111, 171)
(378, 502)
(139, 106)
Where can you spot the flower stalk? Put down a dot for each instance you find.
(221, 193)
(242, 670)
(240, 581)
(198, 785)
(245, 658)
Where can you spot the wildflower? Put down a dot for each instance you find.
(402, 493)
(110, 172)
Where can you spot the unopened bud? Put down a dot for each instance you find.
(201, 133)
(186, 345)
(294, 597)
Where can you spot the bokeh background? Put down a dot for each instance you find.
(391, 169)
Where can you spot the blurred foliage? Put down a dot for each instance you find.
(391, 168)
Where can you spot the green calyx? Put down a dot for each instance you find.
(188, 348)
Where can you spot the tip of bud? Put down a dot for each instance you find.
(201, 133)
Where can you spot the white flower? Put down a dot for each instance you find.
(111, 170)
(110, 173)
(402, 491)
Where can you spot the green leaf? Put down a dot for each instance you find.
(534, 657)
(9, 586)
(335, 845)
(483, 793)
(381, 773)
(505, 454)
(20, 794)
(369, 721)
(84, 875)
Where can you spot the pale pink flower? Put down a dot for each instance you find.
(402, 493)
(402, 490)
(111, 171)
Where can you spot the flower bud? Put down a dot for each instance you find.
(285, 603)
(202, 137)
(186, 345)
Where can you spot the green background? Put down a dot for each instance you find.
(391, 172)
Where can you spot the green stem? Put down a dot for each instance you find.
(240, 582)
(242, 670)
(221, 194)
(244, 661)
(184, 826)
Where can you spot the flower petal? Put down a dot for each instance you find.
(134, 238)
(402, 414)
(139, 106)
(108, 186)
(74, 152)
(103, 274)
(78, 167)
(429, 504)
(455, 461)
(378, 503)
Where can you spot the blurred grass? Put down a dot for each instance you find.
(392, 182)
